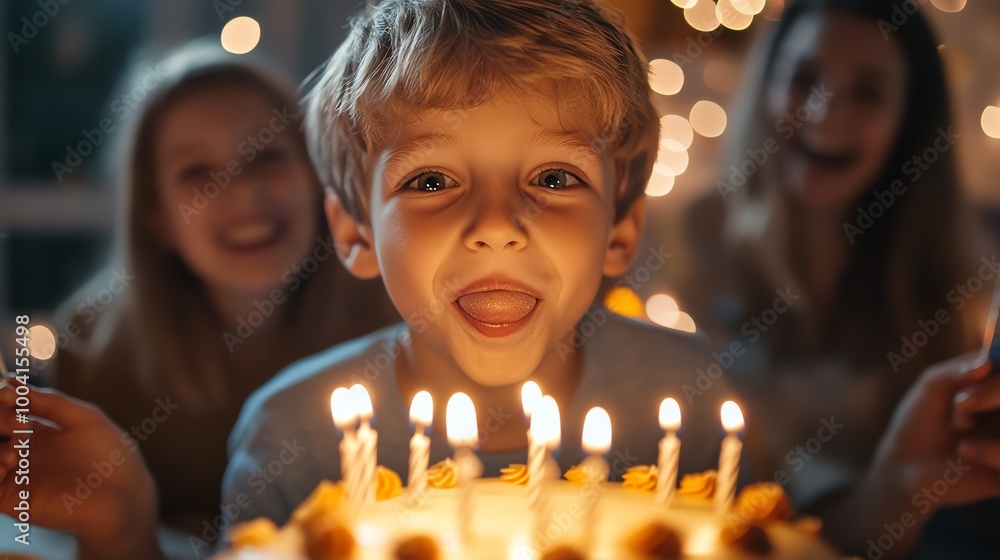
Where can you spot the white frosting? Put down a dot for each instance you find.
(503, 527)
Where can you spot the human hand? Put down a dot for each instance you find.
(85, 477)
(931, 452)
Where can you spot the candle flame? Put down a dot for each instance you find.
(362, 401)
(342, 407)
(531, 395)
(422, 409)
(460, 421)
(545, 427)
(597, 431)
(732, 417)
(670, 414)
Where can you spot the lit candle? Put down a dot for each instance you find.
(421, 413)
(345, 418)
(729, 457)
(670, 451)
(531, 397)
(367, 443)
(546, 431)
(463, 435)
(596, 442)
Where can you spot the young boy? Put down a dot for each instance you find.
(488, 161)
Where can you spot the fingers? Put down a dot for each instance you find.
(980, 397)
(982, 452)
(958, 372)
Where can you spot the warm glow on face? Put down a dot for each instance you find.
(597, 431)
(701, 15)
(422, 409)
(362, 401)
(460, 421)
(675, 132)
(991, 121)
(661, 182)
(545, 426)
(531, 396)
(732, 417)
(949, 5)
(670, 414)
(41, 342)
(708, 119)
(240, 35)
(665, 76)
(662, 310)
(342, 407)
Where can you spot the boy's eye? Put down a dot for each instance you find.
(556, 179)
(430, 181)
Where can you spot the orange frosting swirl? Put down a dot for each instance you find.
(641, 477)
(577, 475)
(388, 484)
(515, 474)
(698, 486)
(326, 498)
(764, 501)
(257, 532)
(443, 475)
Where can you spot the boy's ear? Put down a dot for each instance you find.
(352, 241)
(623, 240)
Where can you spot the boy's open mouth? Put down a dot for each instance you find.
(497, 307)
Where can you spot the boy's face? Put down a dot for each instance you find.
(491, 227)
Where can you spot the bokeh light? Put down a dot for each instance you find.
(673, 162)
(240, 35)
(749, 7)
(623, 301)
(684, 3)
(991, 121)
(731, 17)
(708, 119)
(665, 76)
(41, 342)
(676, 132)
(661, 182)
(702, 16)
(949, 5)
(685, 323)
(773, 9)
(662, 310)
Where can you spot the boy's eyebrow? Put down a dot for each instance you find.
(416, 145)
(559, 138)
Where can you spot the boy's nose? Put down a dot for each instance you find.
(495, 225)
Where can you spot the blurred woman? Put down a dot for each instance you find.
(228, 273)
(834, 262)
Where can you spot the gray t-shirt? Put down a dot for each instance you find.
(285, 443)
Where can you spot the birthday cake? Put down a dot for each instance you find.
(584, 520)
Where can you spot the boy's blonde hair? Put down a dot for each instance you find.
(405, 56)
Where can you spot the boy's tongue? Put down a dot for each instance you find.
(497, 306)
